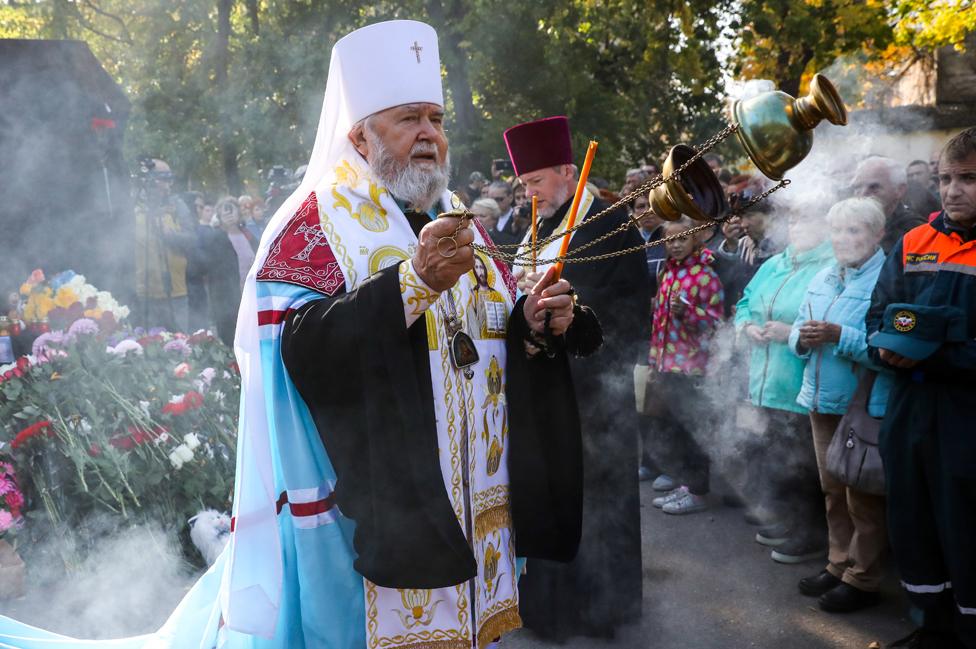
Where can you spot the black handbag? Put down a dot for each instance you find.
(853, 457)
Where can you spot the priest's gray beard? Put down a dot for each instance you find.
(558, 200)
(415, 184)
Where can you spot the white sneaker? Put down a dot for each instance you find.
(687, 503)
(664, 483)
(661, 501)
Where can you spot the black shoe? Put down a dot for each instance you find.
(818, 584)
(844, 598)
(799, 550)
(927, 639)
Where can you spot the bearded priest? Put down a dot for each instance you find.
(601, 588)
(394, 455)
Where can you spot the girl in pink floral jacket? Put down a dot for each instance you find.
(688, 307)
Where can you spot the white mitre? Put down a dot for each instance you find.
(374, 68)
(385, 65)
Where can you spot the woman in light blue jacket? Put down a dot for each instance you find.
(829, 334)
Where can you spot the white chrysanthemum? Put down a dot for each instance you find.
(175, 459)
(191, 441)
(183, 452)
(125, 347)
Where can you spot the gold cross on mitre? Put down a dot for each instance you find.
(417, 49)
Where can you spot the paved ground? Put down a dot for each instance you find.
(709, 585)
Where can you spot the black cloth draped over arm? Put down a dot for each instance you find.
(366, 380)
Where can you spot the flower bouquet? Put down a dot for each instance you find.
(65, 298)
(11, 519)
(137, 424)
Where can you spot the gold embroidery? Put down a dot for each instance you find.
(494, 377)
(496, 495)
(435, 644)
(491, 520)
(370, 215)
(498, 625)
(446, 371)
(432, 342)
(419, 297)
(338, 248)
(416, 602)
(384, 257)
(346, 174)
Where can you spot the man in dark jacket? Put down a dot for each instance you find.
(885, 180)
(924, 307)
(601, 588)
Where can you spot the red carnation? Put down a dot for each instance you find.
(192, 400)
(15, 500)
(32, 431)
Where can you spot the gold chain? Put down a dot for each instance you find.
(524, 258)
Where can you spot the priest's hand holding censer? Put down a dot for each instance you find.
(444, 250)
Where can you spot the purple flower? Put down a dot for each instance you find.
(83, 326)
(155, 331)
(6, 486)
(178, 345)
(47, 343)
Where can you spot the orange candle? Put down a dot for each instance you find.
(580, 186)
(535, 228)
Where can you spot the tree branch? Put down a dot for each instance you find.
(125, 30)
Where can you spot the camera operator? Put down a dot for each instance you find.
(511, 224)
(164, 237)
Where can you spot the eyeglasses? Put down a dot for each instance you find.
(162, 176)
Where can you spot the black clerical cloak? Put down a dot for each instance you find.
(601, 587)
(366, 380)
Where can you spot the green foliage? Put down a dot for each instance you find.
(637, 76)
(782, 40)
(928, 24)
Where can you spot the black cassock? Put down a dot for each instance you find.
(601, 588)
(366, 380)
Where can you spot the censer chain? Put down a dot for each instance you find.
(524, 259)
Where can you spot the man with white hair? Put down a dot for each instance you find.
(393, 458)
(885, 180)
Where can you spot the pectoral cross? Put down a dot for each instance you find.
(315, 238)
(417, 49)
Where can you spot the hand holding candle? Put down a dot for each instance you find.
(549, 294)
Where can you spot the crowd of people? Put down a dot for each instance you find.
(774, 310)
(193, 252)
(770, 305)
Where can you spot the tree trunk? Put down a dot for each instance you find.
(228, 148)
(252, 12)
(466, 119)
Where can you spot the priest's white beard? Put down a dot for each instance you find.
(558, 200)
(415, 184)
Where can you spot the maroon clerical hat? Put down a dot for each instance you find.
(539, 144)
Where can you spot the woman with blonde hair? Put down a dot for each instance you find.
(830, 335)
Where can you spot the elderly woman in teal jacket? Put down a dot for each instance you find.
(783, 471)
(829, 335)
